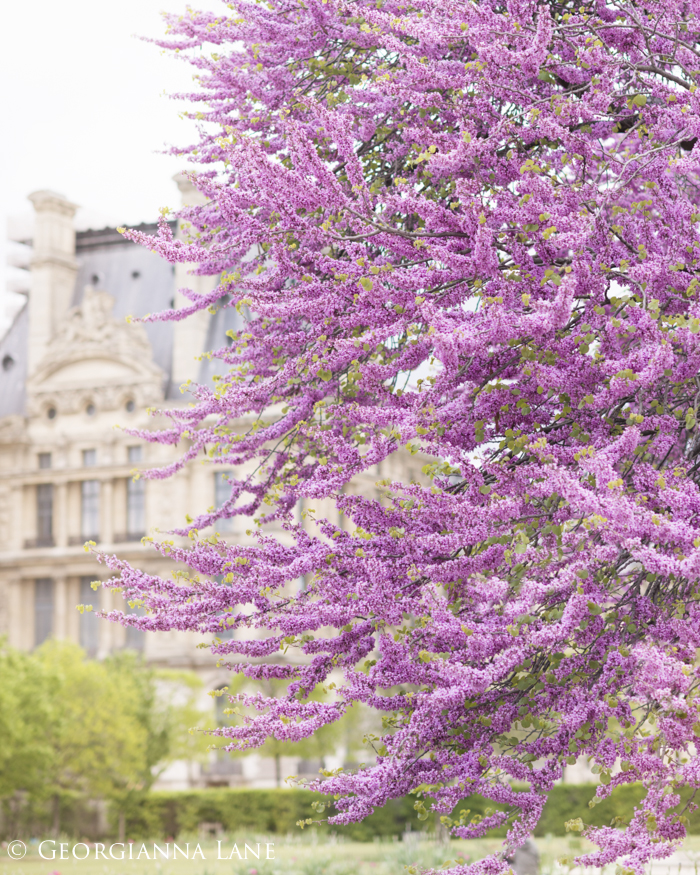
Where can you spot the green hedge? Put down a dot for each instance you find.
(170, 814)
(164, 814)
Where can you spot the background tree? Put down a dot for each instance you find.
(104, 730)
(96, 731)
(466, 230)
(163, 706)
(24, 712)
(188, 720)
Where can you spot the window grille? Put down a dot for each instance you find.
(44, 515)
(43, 609)
(90, 509)
(135, 509)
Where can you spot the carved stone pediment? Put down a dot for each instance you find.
(95, 359)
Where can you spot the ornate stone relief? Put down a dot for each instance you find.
(95, 359)
(12, 429)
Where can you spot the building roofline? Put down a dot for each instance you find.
(91, 238)
(99, 237)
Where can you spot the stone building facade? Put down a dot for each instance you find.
(72, 371)
(73, 375)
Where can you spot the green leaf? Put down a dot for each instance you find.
(575, 825)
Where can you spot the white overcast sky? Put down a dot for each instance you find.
(84, 111)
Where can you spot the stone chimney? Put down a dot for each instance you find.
(53, 268)
(190, 334)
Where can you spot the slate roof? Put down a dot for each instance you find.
(139, 281)
(13, 365)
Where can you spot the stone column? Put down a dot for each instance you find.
(15, 619)
(189, 335)
(111, 634)
(60, 607)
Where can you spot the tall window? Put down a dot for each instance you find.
(135, 454)
(135, 638)
(89, 624)
(90, 509)
(44, 515)
(222, 493)
(43, 609)
(89, 458)
(44, 460)
(135, 509)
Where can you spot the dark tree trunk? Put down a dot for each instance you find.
(56, 825)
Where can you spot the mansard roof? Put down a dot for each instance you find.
(140, 282)
(13, 366)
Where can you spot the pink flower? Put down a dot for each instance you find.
(458, 243)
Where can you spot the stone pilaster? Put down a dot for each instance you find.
(53, 270)
(189, 335)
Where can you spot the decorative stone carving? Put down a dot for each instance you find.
(13, 430)
(92, 325)
(95, 359)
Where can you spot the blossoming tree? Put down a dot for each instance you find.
(466, 230)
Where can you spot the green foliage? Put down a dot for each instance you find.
(278, 811)
(24, 712)
(97, 740)
(263, 811)
(75, 728)
(157, 814)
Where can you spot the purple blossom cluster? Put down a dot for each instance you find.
(467, 231)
